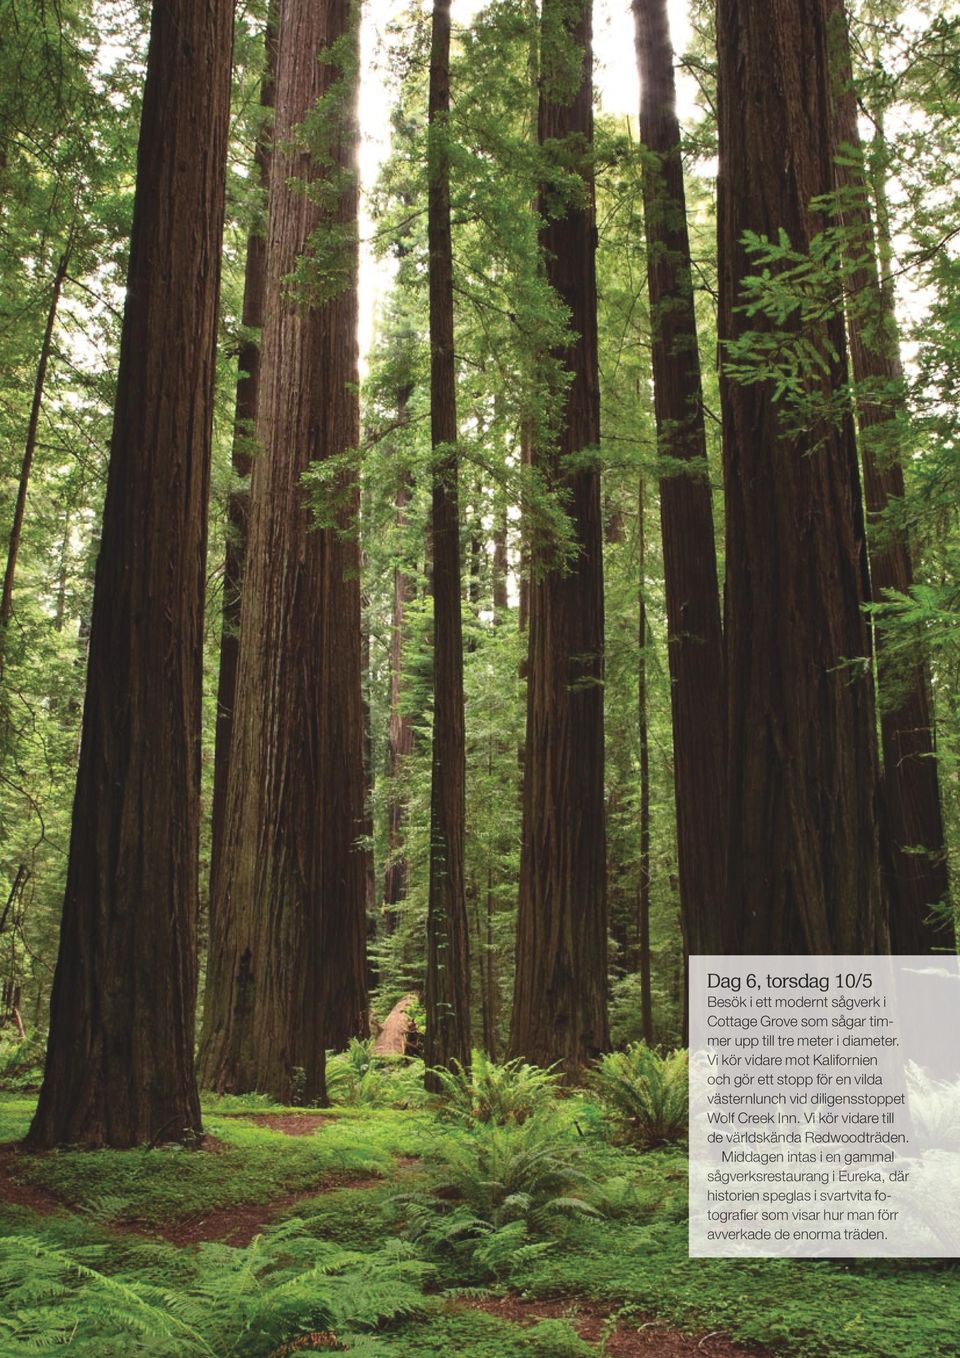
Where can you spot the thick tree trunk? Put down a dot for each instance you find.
(448, 940)
(802, 838)
(560, 994)
(120, 1055)
(695, 642)
(29, 448)
(287, 974)
(245, 417)
(917, 874)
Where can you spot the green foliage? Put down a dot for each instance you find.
(647, 1091)
(626, 1021)
(499, 1194)
(21, 1062)
(356, 1076)
(244, 1303)
(488, 1091)
(558, 1339)
(253, 1164)
(51, 1298)
(327, 1266)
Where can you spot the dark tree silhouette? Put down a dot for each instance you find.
(447, 1035)
(560, 995)
(120, 1055)
(802, 833)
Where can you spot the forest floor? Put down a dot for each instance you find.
(288, 1228)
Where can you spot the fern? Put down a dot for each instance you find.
(243, 1303)
(360, 1078)
(646, 1091)
(51, 1297)
(486, 1091)
(500, 1195)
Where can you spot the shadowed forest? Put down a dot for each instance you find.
(475, 537)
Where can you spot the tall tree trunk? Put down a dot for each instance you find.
(120, 1055)
(245, 417)
(29, 448)
(802, 836)
(500, 567)
(695, 642)
(560, 993)
(911, 791)
(400, 735)
(287, 975)
(63, 568)
(447, 1037)
(642, 962)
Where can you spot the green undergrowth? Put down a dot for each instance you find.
(250, 1164)
(474, 1334)
(556, 1206)
(806, 1308)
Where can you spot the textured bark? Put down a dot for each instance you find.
(400, 735)
(287, 975)
(245, 417)
(120, 1055)
(642, 957)
(560, 994)
(523, 612)
(501, 567)
(447, 999)
(911, 790)
(29, 448)
(695, 642)
(802, 838)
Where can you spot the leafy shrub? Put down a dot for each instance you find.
(21, 1063)
(558, 1339)
(499, 1194)
(492, 1092)
(646, 1091)
(625, 1197)
(358, 1077)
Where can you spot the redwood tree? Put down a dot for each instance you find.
(913, 825)
(560, 995)
(802, 835)
(287, 974)
(447, 1035)
(120, 1055)
(695, 645)
(245, 417)
(400, 734)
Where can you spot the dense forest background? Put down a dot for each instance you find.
(747, 587)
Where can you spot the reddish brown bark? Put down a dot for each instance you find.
(695, 642)
(802, 838)
(120, 1055)
(560, 994)
(917, 872)
(447, 998)
(288, 974)
(245, 416)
